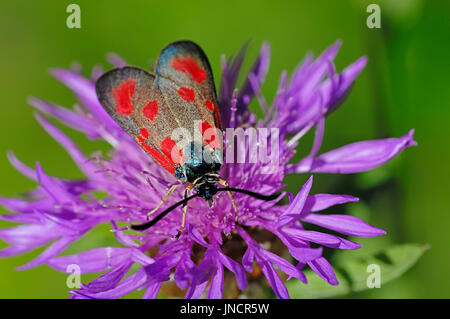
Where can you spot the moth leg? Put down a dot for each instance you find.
(183, 220)
(230, 194)
(165, 198)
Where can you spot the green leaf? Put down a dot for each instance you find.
(353, 273)
(317, 287)
(393, 263)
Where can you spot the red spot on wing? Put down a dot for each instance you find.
(213, 108)
(171, 150)
(144, 133)
(217, 116)
(166, 163)
(209, 135)
(210, 105)
(190, 66)
(122, 95)
(150, 110)
(186, 94)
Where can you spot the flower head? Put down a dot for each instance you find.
(214, 255)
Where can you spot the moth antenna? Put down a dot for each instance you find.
(267, 198)
(149, 224)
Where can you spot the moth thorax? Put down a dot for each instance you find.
(206, 186)
(199, 162)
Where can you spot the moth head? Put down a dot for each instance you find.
(207, 187)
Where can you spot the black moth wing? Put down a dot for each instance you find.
(132, 98)
(185, 79)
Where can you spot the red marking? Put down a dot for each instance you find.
(210, 105)
(150, 110)
(171, 150)
(217, 115)
(187, 94)
(213, 108)
(161, 159)
(123, 94)
(189, 65)
(144, 133)
(209, 134)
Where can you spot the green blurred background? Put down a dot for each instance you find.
(405, 85)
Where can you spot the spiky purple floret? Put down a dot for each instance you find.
(58, 214)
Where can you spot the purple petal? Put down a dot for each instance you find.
(97, 72)
(53, 188)
(217, 282)
(296, 207)
(18, 205)
(235, 268)
(67, 143)
(195, 290)
(360, 156)
(230, 73)
(15, 250)
(203, 272)
(322, 267)
(284, 265)
(259, 71)
(319, 202)
(319, 238)
(181, 273)
(21, 167)
(196, 236)
(109, 280)
(348, 244)
(141, 258)
(123, 238)
(344, 224)
(27, 235)
(160, 269)
(53, 250)
(152, 291)
(311, 79)
(94, 260)
(274, 280)
(126, 286)
(73, 120)
(116, 60)
(311, 235)
(63, 226)
(344, 83)
(247, 260)
(85, 91)
(305, 254)
(20, 218)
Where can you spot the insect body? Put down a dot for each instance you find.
(179, 97)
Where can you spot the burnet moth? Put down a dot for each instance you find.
(178, 96)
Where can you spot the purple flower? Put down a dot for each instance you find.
(214, 256)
